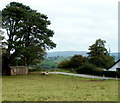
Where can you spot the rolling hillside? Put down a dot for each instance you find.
(71, 53)
(54, 58)
(66, 53)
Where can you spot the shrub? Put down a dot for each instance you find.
(65, 64)
(88, 68)
(77, 60)
(74, 62)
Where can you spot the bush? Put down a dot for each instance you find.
(64, 64)
(74, 62)
(77, 60)
(88, 68)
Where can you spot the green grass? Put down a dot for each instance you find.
(60, 59)
(53, 87)
(47, 65)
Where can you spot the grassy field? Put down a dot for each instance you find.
(52, 62)
(53, 87)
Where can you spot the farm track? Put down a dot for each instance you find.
(82, 75)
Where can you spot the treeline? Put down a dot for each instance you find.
(97, 61)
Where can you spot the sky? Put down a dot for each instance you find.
(77, 24)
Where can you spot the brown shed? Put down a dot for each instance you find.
(18, 70)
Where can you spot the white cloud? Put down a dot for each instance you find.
(78, 23)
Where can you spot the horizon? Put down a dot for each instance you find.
(73, 51)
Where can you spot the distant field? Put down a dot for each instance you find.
(53, 87)
(52, 62)
(60, 59)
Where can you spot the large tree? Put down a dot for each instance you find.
(28, 34)
(99, 55)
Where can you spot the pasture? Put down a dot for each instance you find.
(54, 87)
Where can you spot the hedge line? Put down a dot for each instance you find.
(111, 74)
(93, 70)
(105, 73)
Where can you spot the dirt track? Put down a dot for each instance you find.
(83, 75)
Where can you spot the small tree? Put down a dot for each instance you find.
(99, 55)
(77, 60)
(74, 62)
(65, 64)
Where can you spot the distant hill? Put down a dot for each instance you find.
(115, 55)
(71, 53)
(66, 53)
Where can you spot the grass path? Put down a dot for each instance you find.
(54, 87)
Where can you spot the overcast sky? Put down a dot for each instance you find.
(78, 23)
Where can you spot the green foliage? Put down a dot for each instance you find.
(74, 62)
(60, 59)
(108, 61)
(34, 68)
(56, 59)
(33, 54)
(77, 60)
(28, 34)
(99, 55)
(48, 65)
(65, 64)
(88, 68)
